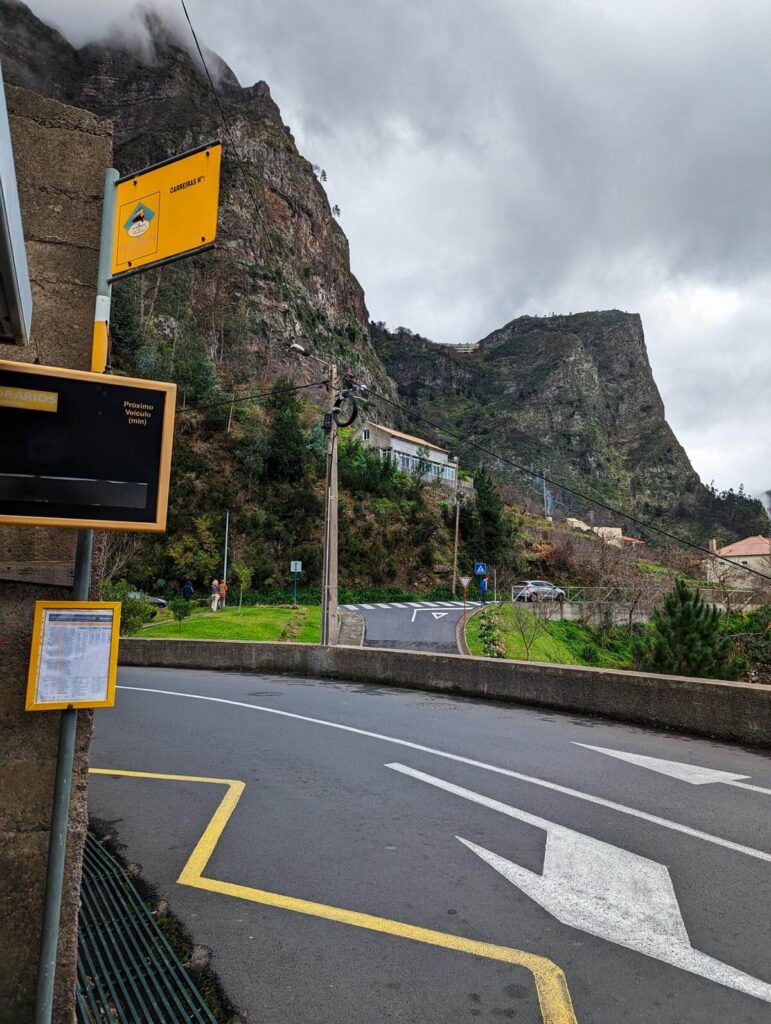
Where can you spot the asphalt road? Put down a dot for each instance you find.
(412, 625)
(378, 837)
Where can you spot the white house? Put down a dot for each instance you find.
(752, 553)
(409, 453)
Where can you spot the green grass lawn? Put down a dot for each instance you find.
(561, 642)
(276, 622)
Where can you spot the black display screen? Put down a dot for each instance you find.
(85, 449)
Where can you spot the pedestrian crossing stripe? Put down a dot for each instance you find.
(410, 604)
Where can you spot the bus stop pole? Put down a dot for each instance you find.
(101, 336)
(60, 815)
(68, 723)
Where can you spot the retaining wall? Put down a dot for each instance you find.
(738, 712)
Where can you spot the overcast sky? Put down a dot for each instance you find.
(504, 157)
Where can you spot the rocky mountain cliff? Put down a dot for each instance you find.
(572, 394)
(281, 268)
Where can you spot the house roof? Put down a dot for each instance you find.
(749, 546)
(407, 437)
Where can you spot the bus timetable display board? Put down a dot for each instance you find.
(84, 449)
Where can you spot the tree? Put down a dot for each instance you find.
(687, 637)
(196, 553)
(492, 529)
(285, 452)
(180, 609)
(531, 622)
(243, 573)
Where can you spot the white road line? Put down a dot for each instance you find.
(386, 606)
(429, 604)
(603, 890)
(746, 785)
(369, 607)
(578, 794)
(446, 604)
(414, 604)
(351, 607)
(395, 604)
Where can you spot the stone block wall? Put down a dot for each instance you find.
(61, 154)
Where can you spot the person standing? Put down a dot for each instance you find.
(214, 595)
(483, 589)
(187, 590)
(223, 592)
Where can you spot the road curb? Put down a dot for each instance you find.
(352, 629)
(728, 711)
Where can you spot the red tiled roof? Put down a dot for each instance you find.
(747, 547)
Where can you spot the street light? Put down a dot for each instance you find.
(329, 570)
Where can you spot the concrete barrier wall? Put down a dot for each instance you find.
(739, 712)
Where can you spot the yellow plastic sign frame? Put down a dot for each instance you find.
(38, 639)
(166, 211)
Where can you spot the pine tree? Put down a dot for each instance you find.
(492, 529)
(687, 638)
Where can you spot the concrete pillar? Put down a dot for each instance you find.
(61, 154)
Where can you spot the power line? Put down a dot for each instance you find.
(226, 125)
(255, 396)
(571, 490)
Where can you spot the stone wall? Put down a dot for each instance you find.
(735, 712)
(61, 154)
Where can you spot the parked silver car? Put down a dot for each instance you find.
(536, 590)
(156, 602)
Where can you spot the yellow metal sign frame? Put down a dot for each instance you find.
(166, 211)
(31, 704)
(158, 525)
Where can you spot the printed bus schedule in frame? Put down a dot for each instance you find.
(74, 656)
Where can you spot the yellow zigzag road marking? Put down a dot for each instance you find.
(550, 983)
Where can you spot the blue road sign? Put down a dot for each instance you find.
(480, 568)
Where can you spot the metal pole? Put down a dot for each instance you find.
(495, 585)
(57, 847)
(225, 559)
(294, 600)
(101, 334)
(329, 573)
(545, 502)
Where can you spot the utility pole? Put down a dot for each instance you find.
(329, 575)
(329, 547)
(457, 538)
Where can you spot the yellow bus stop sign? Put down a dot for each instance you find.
(167, 211)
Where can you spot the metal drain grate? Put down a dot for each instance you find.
(127, 971)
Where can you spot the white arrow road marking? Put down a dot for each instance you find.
(692, 773)
(675, 769)
(439, 615)
(605, 891)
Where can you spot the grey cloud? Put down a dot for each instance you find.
(514, 156)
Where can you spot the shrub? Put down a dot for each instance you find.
(490, 634)
(135, 612)
(180, 609)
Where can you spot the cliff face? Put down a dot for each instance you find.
(571, 395)
(281, 269)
